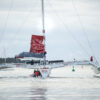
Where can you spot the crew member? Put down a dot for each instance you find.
(91, 58)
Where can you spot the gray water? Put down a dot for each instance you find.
(63, 84)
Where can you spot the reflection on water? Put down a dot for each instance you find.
(16, 84)
(38, 94)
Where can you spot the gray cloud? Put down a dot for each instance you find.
(19, 19)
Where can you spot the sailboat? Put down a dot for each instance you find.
(38, 52)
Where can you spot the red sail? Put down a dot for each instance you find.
(37, 45)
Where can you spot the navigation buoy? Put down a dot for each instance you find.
(73, 70)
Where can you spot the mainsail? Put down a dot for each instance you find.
(36, 48)
(37, 45)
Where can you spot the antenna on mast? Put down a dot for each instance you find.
(43, 31)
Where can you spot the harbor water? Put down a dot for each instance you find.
(63, 84)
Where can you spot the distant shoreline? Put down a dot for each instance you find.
(3, 67)
(10, 60)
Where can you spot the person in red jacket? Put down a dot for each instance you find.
(36, 73)
(91, 58)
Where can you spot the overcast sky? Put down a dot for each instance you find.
(72, 27)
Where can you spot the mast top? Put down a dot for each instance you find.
(43, 21)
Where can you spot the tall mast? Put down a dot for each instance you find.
(43, 29)
(43, 26)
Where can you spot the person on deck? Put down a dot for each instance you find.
(91, 58)
(36, 73)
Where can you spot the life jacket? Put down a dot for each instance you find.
(36, 73)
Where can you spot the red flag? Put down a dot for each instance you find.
(37, 45)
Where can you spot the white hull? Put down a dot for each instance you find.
(45, 72)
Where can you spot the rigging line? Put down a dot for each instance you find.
(68, 30)
(66, 27)
(83, 28)
(6, 22)
(24, 21)
(59, 18)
